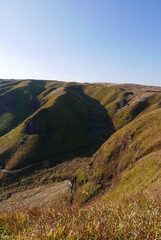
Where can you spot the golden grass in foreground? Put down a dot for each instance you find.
(131, 218)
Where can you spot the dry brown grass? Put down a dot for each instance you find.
(132, 218)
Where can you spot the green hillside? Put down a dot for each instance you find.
(113, 130)
(18, 101)
(85, 157)
(67, 121)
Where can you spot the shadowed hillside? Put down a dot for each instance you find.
(129, 161)
(102, 139)
(66, 120)
(18, 100)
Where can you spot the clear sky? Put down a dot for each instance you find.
(81, 40)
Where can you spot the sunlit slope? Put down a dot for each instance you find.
(67, 122)
(41, 120)
(129, 161)
(125, 102)
(110, 156)
(20, 98)
(144, 176)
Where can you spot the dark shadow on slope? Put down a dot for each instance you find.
(75, 126)
(18, 104)
(100, 124)
(141, 106)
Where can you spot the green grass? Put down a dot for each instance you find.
(64, 120)
(111, 96)
(115, 192)
(129, 161)
(146, 173)
(81, 177)
(134, 141)
(19, 102)
(65, 116)
(5, 122)
(87, 191)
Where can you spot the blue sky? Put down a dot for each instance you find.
(81, 40)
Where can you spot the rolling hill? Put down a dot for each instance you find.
(84, 143)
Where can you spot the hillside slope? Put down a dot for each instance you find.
(18, 100)
(67, 121)
(104, 138)
(128, 162)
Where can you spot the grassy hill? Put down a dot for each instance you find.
(18, 100)
(131, 156)
(45, 119)
(66, 121)
(99, 144)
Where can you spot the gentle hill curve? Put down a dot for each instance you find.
(117, 164)
(101, 137)
(68, 121)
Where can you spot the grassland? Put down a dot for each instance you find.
(102, 139)
(65, 120)
(136, 218)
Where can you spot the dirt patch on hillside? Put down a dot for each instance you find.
(39, 196)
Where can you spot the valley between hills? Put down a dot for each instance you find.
(85, 149)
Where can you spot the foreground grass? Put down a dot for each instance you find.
(131, 218)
